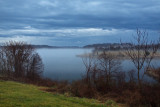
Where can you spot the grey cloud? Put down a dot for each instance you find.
(82, 13)
(77, 14)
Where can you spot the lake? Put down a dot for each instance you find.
(63, 64)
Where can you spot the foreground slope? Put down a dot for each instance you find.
(18, 94)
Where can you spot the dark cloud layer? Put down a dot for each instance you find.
(39, 15)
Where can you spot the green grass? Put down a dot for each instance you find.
(13, 94)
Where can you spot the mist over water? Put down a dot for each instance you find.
(64, 64)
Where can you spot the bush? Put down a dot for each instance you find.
(111, 103)
(81, 89)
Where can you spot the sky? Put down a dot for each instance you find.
(77, 22)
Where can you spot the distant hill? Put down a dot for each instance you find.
(44, 46)
(47, 46)
(108, 46)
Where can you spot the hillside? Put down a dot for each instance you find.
(18, 94)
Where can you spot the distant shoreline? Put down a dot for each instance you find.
(51, 47)
(119, 54)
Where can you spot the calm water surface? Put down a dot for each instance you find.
(63, 64)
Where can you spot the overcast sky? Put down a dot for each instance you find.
(77, 22)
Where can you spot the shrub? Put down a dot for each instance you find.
(81, 89)
(111, 103)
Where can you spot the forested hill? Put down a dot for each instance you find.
(108, 46)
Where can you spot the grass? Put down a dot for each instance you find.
(118, 53)
(23, 95)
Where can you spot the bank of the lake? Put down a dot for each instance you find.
(17, 94)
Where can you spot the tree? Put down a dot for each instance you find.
(101, 70)
(109, 64)
(35, 68)
(142, 51)
(18, 59)
(89, 64)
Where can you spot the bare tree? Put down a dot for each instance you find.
(109, 64)
(3, 64)
(35, 67)
(142, 51)
(16, 57)
(101, 70)
(131, 74)
(89, 64)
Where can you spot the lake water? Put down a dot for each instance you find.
(63, 64)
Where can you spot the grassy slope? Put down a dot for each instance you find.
(17, 94)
